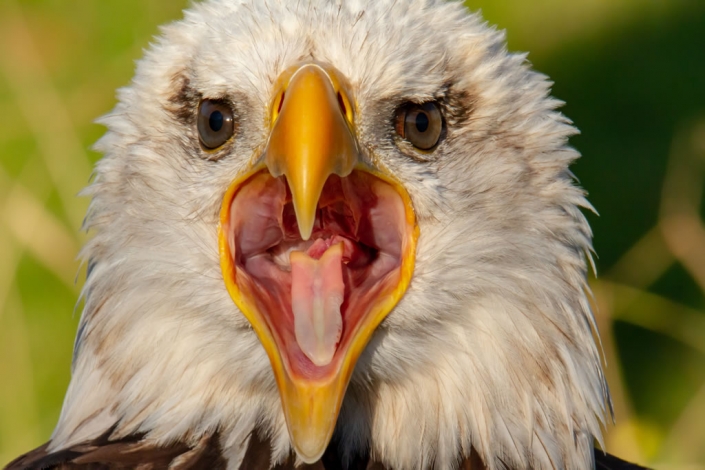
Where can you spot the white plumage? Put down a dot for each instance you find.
(492, 346)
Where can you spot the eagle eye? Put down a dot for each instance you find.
(420, 124)
(215, 123)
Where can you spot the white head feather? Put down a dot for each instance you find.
(491, 347)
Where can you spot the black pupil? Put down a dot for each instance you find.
(216, 121)
(422, 122)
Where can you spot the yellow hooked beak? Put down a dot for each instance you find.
(311, 139)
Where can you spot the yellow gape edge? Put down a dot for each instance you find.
(311, 139)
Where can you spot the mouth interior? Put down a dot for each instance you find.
(314, 295)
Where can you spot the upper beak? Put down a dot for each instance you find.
(311, 140)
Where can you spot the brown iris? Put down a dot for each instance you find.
(420, 124)
(216, 123)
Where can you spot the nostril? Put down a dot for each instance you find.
(281, 102)
(341, 103)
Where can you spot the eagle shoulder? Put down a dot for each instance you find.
(134, 451)
(138, 452)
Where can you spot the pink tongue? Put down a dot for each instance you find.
(317, 291)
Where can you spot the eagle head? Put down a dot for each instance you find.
(345, 224)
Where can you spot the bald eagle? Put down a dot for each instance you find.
(334, 234)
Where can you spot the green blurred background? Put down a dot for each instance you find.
(632, 73)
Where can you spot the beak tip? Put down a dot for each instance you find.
(305, 219)
(305, 234)
(310, 450)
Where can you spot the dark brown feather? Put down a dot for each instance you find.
(605, 461)
(137, 452)
(133, 452)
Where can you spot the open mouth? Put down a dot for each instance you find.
(313, 294)
(317, 245)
